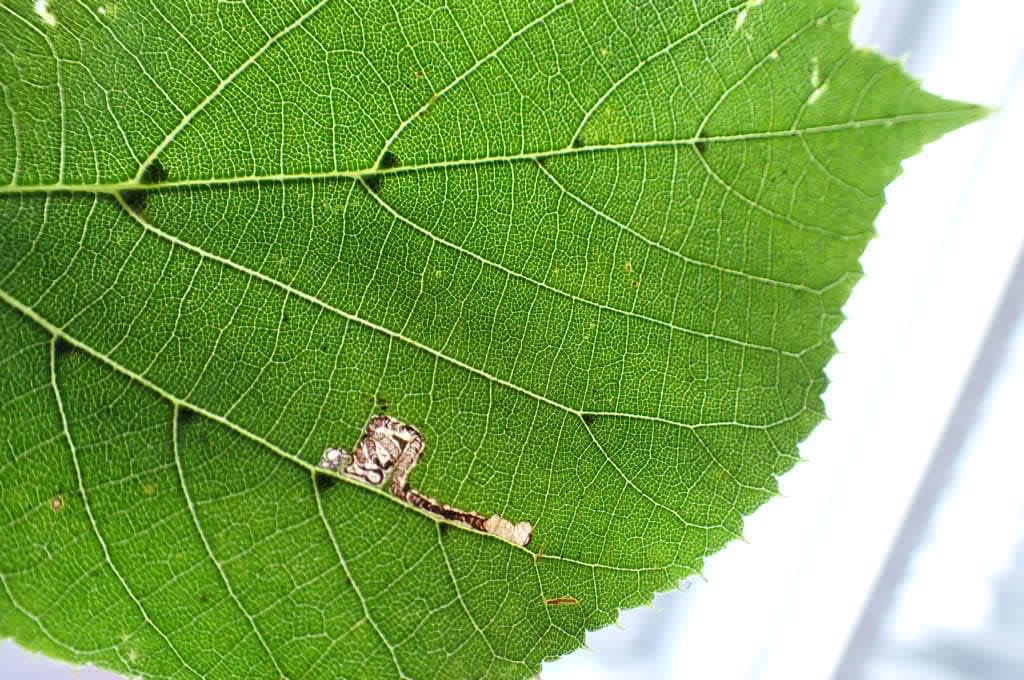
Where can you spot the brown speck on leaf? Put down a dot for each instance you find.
(636, 284)
(567, 600)
(629, 267)
(57, 503)
(420, 75)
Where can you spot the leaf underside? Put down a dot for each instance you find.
(594, 251)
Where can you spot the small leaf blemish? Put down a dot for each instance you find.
(62, 347)
(42, 8)
(589, 418)
(701, 145)
(57, 503)
(154, 173)
(388, 160)
(325, 482)
(186, 415)
(578, 143)
(567, 600)
(372, 183)
(149, 489)
(135, 200)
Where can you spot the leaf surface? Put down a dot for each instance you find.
(594, 251)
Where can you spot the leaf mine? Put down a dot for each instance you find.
(391, 448)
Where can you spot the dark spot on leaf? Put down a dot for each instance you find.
(154, 173)
(589, 418)
(62, 347)
(443, 528)
(701, 145)
(285, 318)
(325, 482)
(388, 160)
(204, 598)
(186, 415)
(135, 200)
(382, 403)
(57, 503)
(542, 160)
(372, 182)
(578, 143)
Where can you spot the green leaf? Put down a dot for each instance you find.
(593, 251)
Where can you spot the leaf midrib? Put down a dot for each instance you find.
(540, 155)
